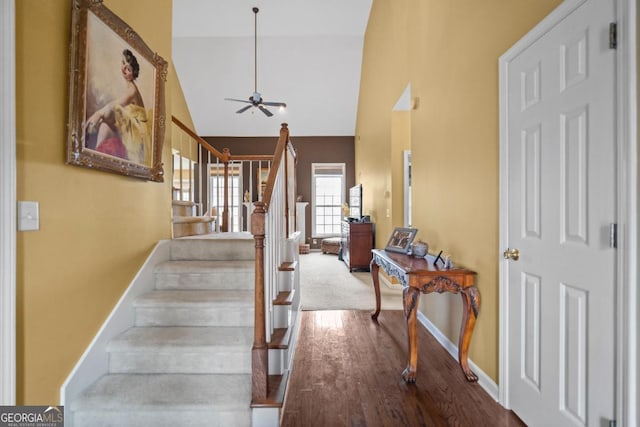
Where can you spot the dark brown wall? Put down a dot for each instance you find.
(309, 149)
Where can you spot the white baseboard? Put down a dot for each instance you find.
(94, 362)
(484, 380)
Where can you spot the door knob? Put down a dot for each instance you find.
(513, 254)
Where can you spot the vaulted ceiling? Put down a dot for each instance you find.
(309, 56)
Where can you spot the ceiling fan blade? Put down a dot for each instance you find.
(265, 111)
(238, 100)
(243, 109)
(275, 104)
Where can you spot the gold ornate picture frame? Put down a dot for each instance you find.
(116, 96)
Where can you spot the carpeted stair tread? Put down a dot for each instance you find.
(182, 350)
(216, 246)
(195, 298)
(205, 275)
(182, 338)
(176, 307)
(176, 392)
(206, 266)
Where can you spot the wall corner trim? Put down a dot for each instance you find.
(7, 205)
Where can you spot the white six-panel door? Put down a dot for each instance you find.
(560, 151)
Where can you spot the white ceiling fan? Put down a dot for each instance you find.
(256, 100)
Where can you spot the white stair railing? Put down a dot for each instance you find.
(215, 181)
(275, 236)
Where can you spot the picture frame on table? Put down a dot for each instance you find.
(116, 114)
(401, 239)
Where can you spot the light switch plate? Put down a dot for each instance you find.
(28, 216)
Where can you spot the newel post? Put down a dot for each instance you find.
(259, 352)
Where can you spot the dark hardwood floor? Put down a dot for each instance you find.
(347, 372)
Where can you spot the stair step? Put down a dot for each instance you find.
(284, 298)
(165, 400)
(185, 350)
(288, 266)
(195, 308)
(191, 219)
(182, 208)
(192, 225)
(206, 275)
(277, 385)
(280, 338)
(216, 246)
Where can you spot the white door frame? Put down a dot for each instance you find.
(626, 399)
(7, 204)
(406, 174)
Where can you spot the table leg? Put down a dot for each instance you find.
(410, 302)
(471, 306)
(376, 286)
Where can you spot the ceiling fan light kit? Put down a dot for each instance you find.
(256, 100)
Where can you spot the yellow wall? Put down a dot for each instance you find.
(179, 106)
(96, 228)
(448, 51)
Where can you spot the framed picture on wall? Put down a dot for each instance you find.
(401, 239)
(116, 119)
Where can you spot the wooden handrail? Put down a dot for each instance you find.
(277, 158)
(225, 158)
(200, 141)
(252, 157)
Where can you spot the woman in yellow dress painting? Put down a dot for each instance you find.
(121, 128)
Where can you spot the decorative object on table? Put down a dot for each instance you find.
(401, 239)
(438, 258)
(448, 264)
(116, 120)
(345, 209)
(445, 259)
(419, 249)
(247, 196)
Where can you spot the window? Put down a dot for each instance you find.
(327, 184)
(235, 193)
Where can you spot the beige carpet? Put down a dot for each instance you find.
(326, 284)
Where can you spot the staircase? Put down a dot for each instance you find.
(187, 359)
(180, 347)
(187, 223)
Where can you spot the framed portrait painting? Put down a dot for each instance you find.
(116, 96)
(401, 239)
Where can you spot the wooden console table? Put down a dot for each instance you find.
(418, 275)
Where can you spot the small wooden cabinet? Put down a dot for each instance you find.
(357, 243)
